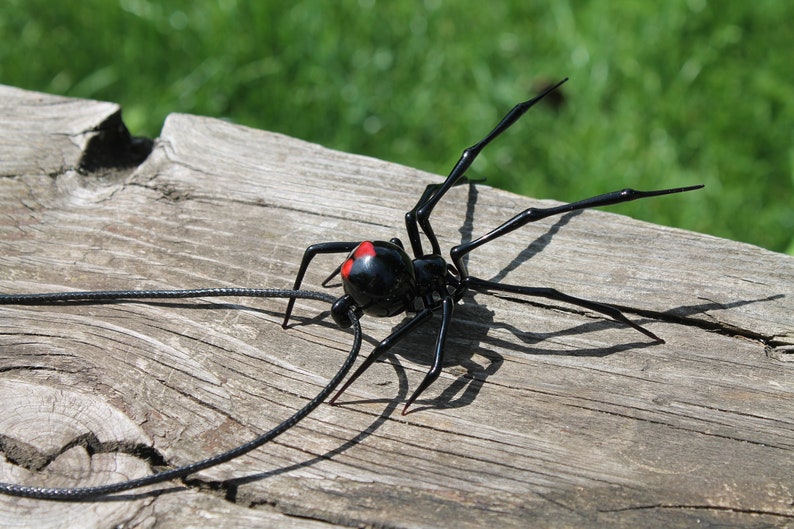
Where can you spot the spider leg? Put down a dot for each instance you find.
(534, 214)
(332, 275)
(480, 285)
(411, 219)
(447, 308)
(386, 344)
(308, 255)
(419, 216)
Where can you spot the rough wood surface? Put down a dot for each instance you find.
(544, 415)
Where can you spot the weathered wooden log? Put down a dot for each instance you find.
(545, 414)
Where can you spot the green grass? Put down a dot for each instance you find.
(661, 94)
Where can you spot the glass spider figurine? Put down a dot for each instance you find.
(380, 279)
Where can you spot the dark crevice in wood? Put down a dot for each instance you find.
(782, 352)
(305, 512)
(7, 369)
(674, 316)
(689, 507)
(228, 491)
(112, 146)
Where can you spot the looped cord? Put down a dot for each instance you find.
(79, 493)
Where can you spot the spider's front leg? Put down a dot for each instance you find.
(447, 306)
(386, 344)
(308, 255)
(419, 216)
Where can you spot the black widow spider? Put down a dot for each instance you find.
(380, 279)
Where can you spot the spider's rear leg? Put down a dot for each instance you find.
(480, 285)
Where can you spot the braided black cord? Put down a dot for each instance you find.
(109, 295)
(79, 493)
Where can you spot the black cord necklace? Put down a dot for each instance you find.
(80, 493)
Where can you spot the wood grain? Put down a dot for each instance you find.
(545, 414)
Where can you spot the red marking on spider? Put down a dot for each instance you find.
(346, 268)
(365, 249)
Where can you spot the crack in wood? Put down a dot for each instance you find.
(698, 507)
(29, 457)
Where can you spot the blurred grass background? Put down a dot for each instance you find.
(661, 94)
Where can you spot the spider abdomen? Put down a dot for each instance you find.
(379, 276)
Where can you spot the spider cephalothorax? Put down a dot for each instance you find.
(380, 278)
